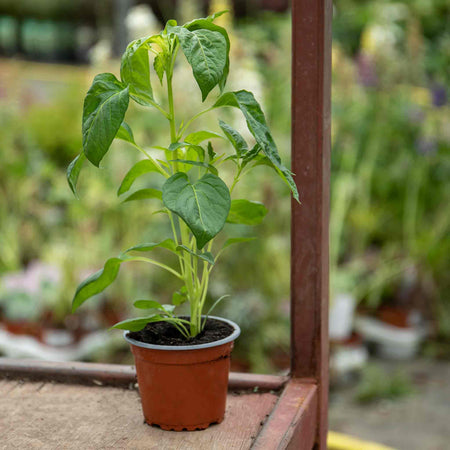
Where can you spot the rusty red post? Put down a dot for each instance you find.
(311, 122)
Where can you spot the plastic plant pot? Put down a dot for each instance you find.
(184, 387)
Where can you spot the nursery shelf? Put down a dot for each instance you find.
(82, 405)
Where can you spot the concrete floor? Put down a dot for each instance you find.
(419, 421)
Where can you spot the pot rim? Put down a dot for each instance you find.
(232, 337)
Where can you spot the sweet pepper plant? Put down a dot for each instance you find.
(195, 198)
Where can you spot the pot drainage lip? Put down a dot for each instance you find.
(233, 336)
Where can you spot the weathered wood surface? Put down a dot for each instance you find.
(58, 416)
(112, 374)
(311, 124)
(293, 422)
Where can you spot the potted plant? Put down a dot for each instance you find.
(182, 362)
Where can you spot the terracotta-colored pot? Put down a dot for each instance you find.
(183, 387)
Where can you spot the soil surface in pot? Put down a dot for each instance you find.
(164, 333)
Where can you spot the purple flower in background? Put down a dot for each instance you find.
(367, 75)
(425, 146)
(438, 95)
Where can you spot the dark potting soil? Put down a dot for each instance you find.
(164, 333)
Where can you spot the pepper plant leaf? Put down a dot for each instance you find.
(246, 212)
(257, 125)
(73, 172)
(104, 108)
(188, 162)
(135, 72)
(143, 194)
(168, 244)
(125, 133)
(236, 139)
(147, 304)
(138, 323)
(200, 136)
(203, 205)
(140, 168)
(205, 256)
(208, 24)
(206, 52)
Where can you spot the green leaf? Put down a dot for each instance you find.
(104, 108)
(206, 256)
(211, 152)
(200, 136)
(137, 324)
(141, 167)
(144, 194)
(179, 298)
(203, 205)
(147, 304)
(246, 212)
(253, 154)
(207, 24)
(97, 282)
(135, 72)
(125, 133)
(73, 171)
(168, 244)
(257, 125)
(197, 163)
(236, 139)
(233, 241)
(206, 52)
(160, 64)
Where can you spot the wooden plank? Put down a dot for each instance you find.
(311, 122)
(113, 374)
(59, 416)
(293, 422)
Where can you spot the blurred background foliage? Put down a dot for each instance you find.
(390, 221)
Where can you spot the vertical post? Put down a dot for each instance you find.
(311, 122)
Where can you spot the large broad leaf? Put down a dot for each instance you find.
(246, 212)
(207, 24)
(203, 205)
(257, 125)
(141, 167)
(236, 139)
(97, 282)
(73, 171)
(104, 108)
(206, 52)
(135, 72)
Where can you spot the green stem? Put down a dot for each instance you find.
(186, 125)
(156, 263)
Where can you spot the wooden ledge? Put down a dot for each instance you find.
(45, 414)
(113, 374)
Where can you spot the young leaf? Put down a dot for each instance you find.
(207, 24)
(104, 109)
(179, 298)
(252, 154)
(73, 171)
(200, 136)
(137, 324)
(141, 167)
(206, 256)
(159, 64)
(236, 139)
(143, 194)
(97, 282)
(246, 212)
(203, 205)
(206, 52)
(211, 168)
(147, 304)
(257, 125)
(125, 133)
(168, 244)
(211, 152)
(135, 72)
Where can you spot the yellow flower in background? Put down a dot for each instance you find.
(421, 96)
